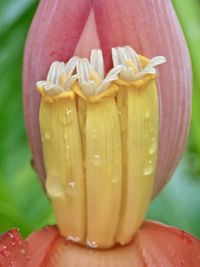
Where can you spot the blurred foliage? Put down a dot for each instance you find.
(22, 202)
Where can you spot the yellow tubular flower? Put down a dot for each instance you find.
(100, 138)
(102, 147)
(62, 149)
(137, 102)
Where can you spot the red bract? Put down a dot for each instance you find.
(154, 245)
(13, 250)
(62, 28)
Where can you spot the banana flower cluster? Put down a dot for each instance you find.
(107, 128)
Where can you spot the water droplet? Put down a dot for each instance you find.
(54, 188)
(12, 263)
(68, 112)
(67, 146)
(73, 238)
(91, 244)
(147, 114)
(16, 239)
(23, 251)
(97, 160)
(65, 136)
(4, 251)
(153, 147)
(182, 263)
(148, 170)
(47, 136)
(71, 188)
(120, 112)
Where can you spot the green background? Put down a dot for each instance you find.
(22, 202)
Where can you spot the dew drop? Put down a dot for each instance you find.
(71, 189)
(91, 244)
(47, 136)
(12, 263)
(67, 146)
(147, 114)
(97, 160)
(54, 188)
(65, 136)
(120, 112)
(4, 251)
(153, 147)
(68, 112)
(23, 251)
(73, 238)
(148, 170)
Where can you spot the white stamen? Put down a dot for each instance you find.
(132, 70)
(60, 77)
(91, 74)
(96, 60)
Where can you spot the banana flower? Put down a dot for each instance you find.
(106, 123)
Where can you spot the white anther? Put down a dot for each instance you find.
(133, 70)
(60, 77)
(91, 74)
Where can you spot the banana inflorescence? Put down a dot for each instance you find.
(99, 137)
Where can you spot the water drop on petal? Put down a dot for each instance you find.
(148, 170)
(47, 136)
(147, 114)
(153, 147)
(71, 189)
(91, 244)
(97, 160)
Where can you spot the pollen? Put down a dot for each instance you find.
(99, 135)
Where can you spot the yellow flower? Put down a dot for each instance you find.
(99, 137)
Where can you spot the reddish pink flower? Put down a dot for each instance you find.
(155, 245)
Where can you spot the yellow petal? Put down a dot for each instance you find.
(103, 171)
(138, 109)
(62, 151)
